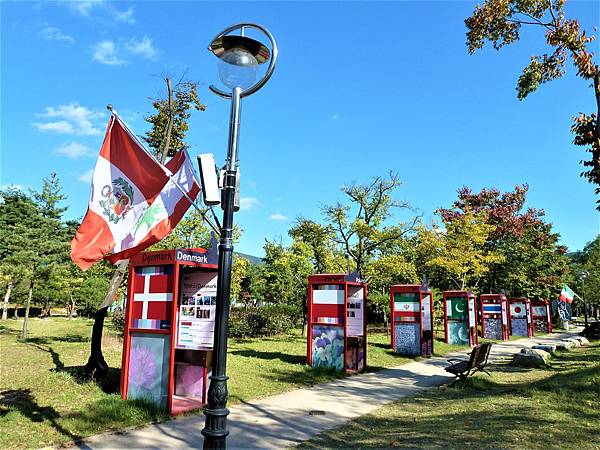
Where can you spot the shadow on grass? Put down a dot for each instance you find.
(69, 338)
(110, 384)
(23, 401)
(287, 358)
(9, 331)
(558, 410)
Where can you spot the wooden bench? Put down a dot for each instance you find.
(476, 363)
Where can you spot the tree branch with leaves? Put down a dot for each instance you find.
(500, 21)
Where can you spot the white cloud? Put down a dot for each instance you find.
(252, 184)
(84, 7)
(73, 119)
(105, 52)
(278, 217)
(248, 203)
(86, 176)
(142, 48)
(335, 117)
(123, 16)
(54, 34)
(73, 150)
(97, 8)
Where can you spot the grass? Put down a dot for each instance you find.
(45, 401)
(556, 407)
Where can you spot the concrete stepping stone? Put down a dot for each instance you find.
(575, 342)
(564, 345)
(550, 348)
(531, 358)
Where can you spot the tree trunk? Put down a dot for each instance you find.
(167, 140)
(96, 366)
(6, 300)
(26, 318)
(71, 306)
(386, 324)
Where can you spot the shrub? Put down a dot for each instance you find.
(117, 319)
(263, 320)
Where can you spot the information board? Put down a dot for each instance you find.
(196, 312)
(356, 311)
(472, 319)
(426, 312)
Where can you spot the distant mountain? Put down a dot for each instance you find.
(254, 260)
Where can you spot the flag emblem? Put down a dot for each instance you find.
(118, 199)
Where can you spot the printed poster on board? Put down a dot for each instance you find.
(197, 309)
(356, 311)
(472, 320)
(426, 312)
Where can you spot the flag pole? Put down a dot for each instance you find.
(165, 169)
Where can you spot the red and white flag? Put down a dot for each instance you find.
(122, 216)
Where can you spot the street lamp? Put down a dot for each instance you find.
(582, 275)
(239, 58)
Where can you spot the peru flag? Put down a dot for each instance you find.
(126, 183)
(165, 212)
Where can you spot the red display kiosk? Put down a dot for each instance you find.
(521, 323)
(542, 316)
(169, 327)
(337, 325)
(412, 319)
(494, 317)
(460, 318)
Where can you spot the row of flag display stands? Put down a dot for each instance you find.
(169, 327)
(170, 321)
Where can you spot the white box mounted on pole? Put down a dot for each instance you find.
(208, 178)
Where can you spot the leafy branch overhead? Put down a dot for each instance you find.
(170, 120)
(500, 21)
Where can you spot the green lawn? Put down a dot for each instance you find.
(514, 408)
(44, 401)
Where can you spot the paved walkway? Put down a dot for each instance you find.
(284, 421)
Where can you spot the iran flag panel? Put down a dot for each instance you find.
(126, 180)
(165, 212)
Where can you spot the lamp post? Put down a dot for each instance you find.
(582, 276)
(239, 58)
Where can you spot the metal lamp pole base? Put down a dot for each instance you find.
(215, 428)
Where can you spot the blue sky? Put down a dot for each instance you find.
(360, 89)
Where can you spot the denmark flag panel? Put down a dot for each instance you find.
(159, 310)
(136, 310)
(161, 283)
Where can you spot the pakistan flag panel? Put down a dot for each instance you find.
(457, 308)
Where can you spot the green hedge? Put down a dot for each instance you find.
(263, 320)
(251, 322)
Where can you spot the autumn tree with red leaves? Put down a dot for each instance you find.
(534, 264)
(500, 21)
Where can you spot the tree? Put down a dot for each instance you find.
(18, 220)
(32, 241)
(500, 22)
(460, 249)
(320, 239)
(170, 119)
(360, 227)
(239, 271)
(587, 260)
(534, 263)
